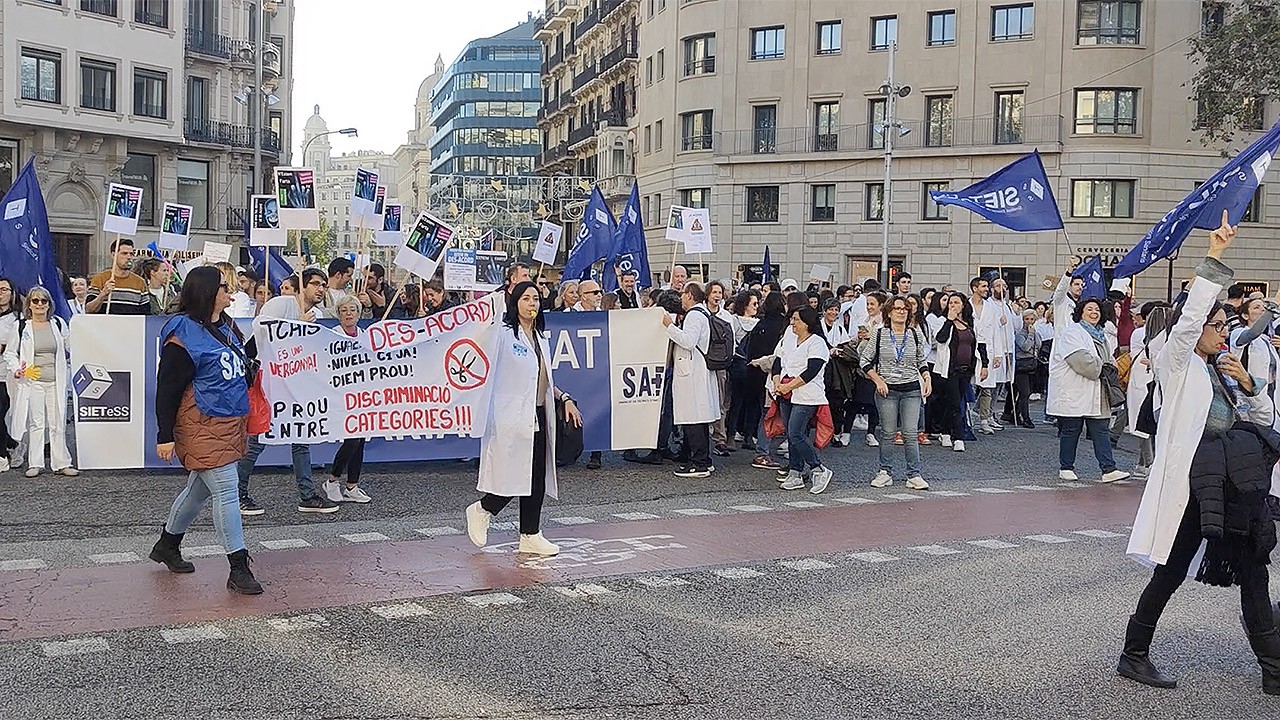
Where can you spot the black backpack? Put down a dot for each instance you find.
(719, 354)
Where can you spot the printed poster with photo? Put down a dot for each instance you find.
(379, 207)
(175, 227)
(296, 194)
(124, 206)
(365, 193)
(264, 226)
(390, 233)
(424, 248)
(548, 242)
(676, 230)
(478, 270)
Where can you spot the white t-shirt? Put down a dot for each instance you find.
(286, 307)
(795, 360)
(241, 306)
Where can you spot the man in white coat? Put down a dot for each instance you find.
(695, 396)
(1009, 321)
(986, 323)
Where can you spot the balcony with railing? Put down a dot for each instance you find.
(549, 108)
(582, 133)
(701, 66)
(628, 50)
(215, 132)
(584, 78)
(236, 218)
(549, 63)
(609, 6)
(960, 132)
(208, 44)
(590, 20)
(554, 154)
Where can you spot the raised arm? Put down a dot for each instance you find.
(1211, 276)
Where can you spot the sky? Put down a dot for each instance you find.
(399, 39)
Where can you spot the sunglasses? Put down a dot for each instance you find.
(592, 292)
(38, 301)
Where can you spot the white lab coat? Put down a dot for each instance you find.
(15, 355)
(695, 395)
(506, 449)
(986, 321)
(1140, 376)
(1262, 363)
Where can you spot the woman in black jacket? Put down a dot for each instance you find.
(761, 342)
(960, 358)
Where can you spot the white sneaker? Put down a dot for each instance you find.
(355, 495)
(332, 490)
(1034, 396)
(1068, 475)
(32, 471)
(860, 422)
(4, 463)
(821, 479)
(793, 481)
(946, 441)
(882, 479)
(535, 544)
(784, 448)
(1114, 475)
(995, 424)
(958, 446)
(845, 438)
(985, 428)
(67, 471)
(872, 441)
(478, 525)
(915, 482)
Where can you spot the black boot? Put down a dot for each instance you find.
(242, 580)
(1267, 647)
(1134, 661)
(166, 551)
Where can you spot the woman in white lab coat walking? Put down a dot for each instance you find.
(36, 357)
(1206, 493)
(694, 391)
(517, 450)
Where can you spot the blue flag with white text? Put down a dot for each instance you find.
(26, 247)
(594, 240)
(280, 268)
(1090, 271)
(1230, 189)
(630, 252)
(1017, 197)
(767, 273)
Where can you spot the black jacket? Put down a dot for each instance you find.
(1230, 479)
(627, 302)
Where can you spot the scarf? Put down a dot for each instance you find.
(1098, 334)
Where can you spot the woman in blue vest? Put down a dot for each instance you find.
(202, 402)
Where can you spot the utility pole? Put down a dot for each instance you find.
(256, 98)
(891, 92)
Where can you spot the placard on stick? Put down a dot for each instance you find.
(175, 227)
(424, 248)
(296, 193)
(124, 205)
(264, 226)
(548, 242)
(391, 233)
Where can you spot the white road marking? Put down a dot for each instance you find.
(365, 537)
(296, 623)
(994, 491)
(582, 590)
(1049, 539)
(695, 512)
(993, 544)
(399, 610)
(806, 564)
(115, 558)
(179, 636)
(873, 557)
(937, 550)
(77, 646)
(29, 564)
(573, 520)
(492, 599)
(905, 496)
(1097, 533)
(439, 531)
(1073, 484)
(505, 525)
(286, 544)
(204, 551)
(750, 508)
(662, 581)
(948, 493)
(804, 504)
(737, 573)
(854, 500)
(1032, 487)
(635, 516)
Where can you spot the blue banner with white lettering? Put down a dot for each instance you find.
(1017, 197)
(1090, 271)
(26, 247)
(1230, 189)
(594, 239)
(630, 253)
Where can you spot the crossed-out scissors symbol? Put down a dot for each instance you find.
(463, 370)
(466, 366)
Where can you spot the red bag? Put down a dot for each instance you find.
(259, 408)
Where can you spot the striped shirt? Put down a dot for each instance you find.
(900, 358)
(131, 296)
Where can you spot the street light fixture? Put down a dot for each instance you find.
(891, 92)
(348, 131)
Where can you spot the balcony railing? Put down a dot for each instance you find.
(215, 132)
(627, 50)
(551, 62)
(590, 20)
(236, 217)
(210, 44)
(963, 132)
(549, 108)
(704, 66)
(553, 154)
(699, 141)
(609, 6)
(589, 73)
(582, 133)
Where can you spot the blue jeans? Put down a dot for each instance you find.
(1069, 429)
(800, 450)
(220, 484)
(900, 413)
(301, 467)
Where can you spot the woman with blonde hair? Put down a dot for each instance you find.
(241, 303)
(35, 354)
(568, 295)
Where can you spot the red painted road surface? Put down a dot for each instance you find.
(59, 602)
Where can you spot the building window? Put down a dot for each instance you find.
(99, 7)
(877, 116)
(762, 203)
(648, 71)
(98, 85)
(140, 171)
(657, 136)
(939, 111)
(884, 30)
(826, 126)
(197, 98)
(1013, 22)
(1253, 213)
(8, 164)
(1253, 113)
(695, 130)
(930, 210)
(942, 28)
(696, 197)
(1112, 112)
(193, 190)
(661, 62)
(1102, 198)
(1009, 117)
(823, 206)
(151, 12)
(1108, 22)
(41, 76)
(873, 209)
(648, 139)
(765, 124)
(1213, 13)
(829, 38)
(150, 93)
(768, 43)
(700, 55)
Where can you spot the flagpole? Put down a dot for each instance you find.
(298, 235)
(112, 276)
(387, 313)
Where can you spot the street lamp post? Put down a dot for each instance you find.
(349, 132)
(891, 129)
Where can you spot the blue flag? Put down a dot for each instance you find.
(1017, 196)
(767, 273)
(1090, 271)
(26, 247)
(594, 240)
(280, 268)
(630, 252)
(1230, 189)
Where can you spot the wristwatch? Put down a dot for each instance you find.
(566, 397)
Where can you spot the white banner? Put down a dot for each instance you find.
(420, 377)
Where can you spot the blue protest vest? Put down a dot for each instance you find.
(219, 384)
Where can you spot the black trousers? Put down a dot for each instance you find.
(531, 504)
(696, 450)
(1255, 600)
(1022, 394)
(349, 459)
(949, 394)
(6, 443)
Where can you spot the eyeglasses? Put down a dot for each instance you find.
(1220, 325)
(317, 284)
(38, 301)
